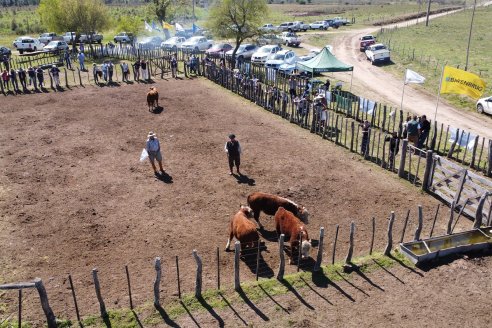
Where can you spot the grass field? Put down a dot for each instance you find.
(444, 42)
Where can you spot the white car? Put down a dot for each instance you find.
(46, 37)
(27, 43)
(173, 43)
(197, 43)
(378, 53)
(282, 57)
(319, 25)
(56, 46)
(244, 51)
(268, 28)
(70, 37)
(484, 105)
(264, 53)
(312, 53)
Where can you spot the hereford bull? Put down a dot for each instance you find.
(269, 204)
(243, 229)
(152, 99)
(288, 224)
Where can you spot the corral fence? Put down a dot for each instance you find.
(190, 276)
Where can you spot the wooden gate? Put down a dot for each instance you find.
(469, 192)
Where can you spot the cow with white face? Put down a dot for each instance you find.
(294, 230)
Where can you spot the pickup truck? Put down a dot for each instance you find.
(366, 41)
(287, 26)
(341, 21)
(70, 37)
(300, 26)
(196, 43)
(290, 39)
(378, 53)
(123, 37)
(91, 38)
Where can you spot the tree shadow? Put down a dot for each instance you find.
(244, 179)
(157, 110)
(296, 294)
(168, 321)
(273, 300)
(212, 312)
(164, 177)
(253, 307)
(388, 272)
(315, 291)
(233, 309)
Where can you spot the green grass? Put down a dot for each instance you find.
(427, 49)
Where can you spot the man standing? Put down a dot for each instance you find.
(40, 77)
(55, 73)
(413, 130)
(153, 148)
(136, 70)
(424, 129)
(81, 58)
(68, 62)
(174, 66)
(13, 80)
(233, 150)
(125, 71)
(31, 72)
(364, 146)
(22, 78)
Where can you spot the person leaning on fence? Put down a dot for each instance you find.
(68, 61)
(153, 148)
(125, 71)
(40, 77)
(136, 70)
(96, 72)
(55, 73)
(326, 86)
(174, 66)
(104, 69)
(13, 80)
(21, 73)
(413, 130)
(145, 71)
(292, 87)
(31, 72)
(394, 147)
(110, 71)
(364, 146)
(5, 79)
(424, 129)
(233, 150)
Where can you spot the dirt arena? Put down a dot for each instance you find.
(74, 196)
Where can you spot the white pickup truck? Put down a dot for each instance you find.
(378, 53)
(290, 39)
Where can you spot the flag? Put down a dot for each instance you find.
(166, 26)
(413, 77)
(179, 27)
(458, 81)
(155, 27)
(147, 26)
(195, 28)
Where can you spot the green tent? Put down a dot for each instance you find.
(325, 61)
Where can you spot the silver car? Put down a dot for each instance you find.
(244, 51)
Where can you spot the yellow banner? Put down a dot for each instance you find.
(166, 26)
(462, 82)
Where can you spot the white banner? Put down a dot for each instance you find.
(179, 27)
(413, 77)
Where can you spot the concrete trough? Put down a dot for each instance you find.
(437, 247)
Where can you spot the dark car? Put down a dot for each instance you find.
(4, 51)
(219, 48)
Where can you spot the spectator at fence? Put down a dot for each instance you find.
(174, 66)
(31, 72)
(81, 58)
(326, 86)
(405, 126)
(13, 80)
(55, 73)
(6, 61)
(413, 130)
(96, 72)
(21, 73)
(5, 79)
(307, 88)
(424, 129)
(68, 61)
(145, 71)
(136, 70)
(394, 147)
(125, 71)
(233, 150)
(153, 148)
(104, 68)
(81, 47)
(364, 146)
(40, 77)
(292, 87)
(110, 71)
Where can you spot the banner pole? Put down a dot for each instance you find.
(403, 91)
(439, 94)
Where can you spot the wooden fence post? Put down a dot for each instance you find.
(352, 129)
(373, 233)
(389, 245)
(451, 218)
(129, 286)
(474, 153)
(218, 269)
(74, 300)
(19, 317)
(428, 169)
(404, 226)
(237, 249)
(157, 281)
(489, 160)
(348, 259)
(102, 307)
(319, 257)
(419, 226)
(451, 149)
(80, 77)
(403, 156)
(50, 316)
(461, 183)
(434, 222)
(334, 245)
(177, 274)
(281, 268)
(198, 280)
(478, 213)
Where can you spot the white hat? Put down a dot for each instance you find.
(151, 134)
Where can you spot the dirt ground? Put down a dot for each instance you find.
(73, 196)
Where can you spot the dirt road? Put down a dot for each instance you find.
(389, 87)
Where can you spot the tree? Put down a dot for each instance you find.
(166, 10)
(237, 19)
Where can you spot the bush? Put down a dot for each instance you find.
(13, 25)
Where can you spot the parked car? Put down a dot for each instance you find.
(341, 21)
(150, 43)
(70, 37)
(282, 57)
(287, 69)
(91, 38)
(269, 39)
(312, 53)
(173, 43)
(287, 26)
(319, 25)
(300, 26)
(290, 39)
(56, 46)
(244, 51)
(187, 33)
(27, 43)
(46, 37)
(197, 43)
(219, 48)
(378, 53)
(484, 105)
(268, 28)
(123, 37)
(264, 53)
(333, 23)
(4, 51)
(366, 41)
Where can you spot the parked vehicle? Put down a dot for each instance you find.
(300, 26)
(280, 58)
(269, 39)
(219, 48)
(287, 26)
(287, 69)
(4, 51)
(197, 43)
(187, 33)
(173, 43)
(341, 21)
(264, 53)
(123, 37)
(27, 43)
(70, 37)
(268, 28)
(46, 37)
(91, 38)
(290, 39)
(313, 53)
(319, 25)
(484, 105)
(366, 41)
(332, 23)
(244, 51)
(150, 43)
(378, 53)
(56, 46)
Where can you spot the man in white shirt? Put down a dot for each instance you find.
(153, 148)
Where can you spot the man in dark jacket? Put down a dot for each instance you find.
(424, 129)
(233, 150)
(22, 78)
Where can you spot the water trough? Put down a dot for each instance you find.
(437, 247)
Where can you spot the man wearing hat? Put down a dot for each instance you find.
(55, 73)
(233, 150)
(153, 148)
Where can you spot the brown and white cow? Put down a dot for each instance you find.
(152, 99)
(269, 204)
(288, 224)
(243, 229)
